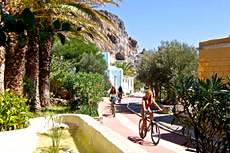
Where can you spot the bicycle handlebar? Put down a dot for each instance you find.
(152, 111)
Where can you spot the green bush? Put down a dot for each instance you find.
(61, 76)
(205, 110)
(89, 89)
(107, 87)
(14, 112)
(85, 109)
(64, 75)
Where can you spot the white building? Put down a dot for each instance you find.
(116, 77)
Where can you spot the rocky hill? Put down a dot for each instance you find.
(121, 43)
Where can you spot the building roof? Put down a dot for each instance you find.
(215, 43)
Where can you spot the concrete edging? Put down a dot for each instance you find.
(19, 141)
(105, 139)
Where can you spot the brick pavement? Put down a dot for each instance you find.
(126, 124)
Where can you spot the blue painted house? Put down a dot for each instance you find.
(116, 77)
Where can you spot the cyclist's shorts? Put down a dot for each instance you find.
(113, 99)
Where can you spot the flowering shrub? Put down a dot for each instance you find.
(88, 89)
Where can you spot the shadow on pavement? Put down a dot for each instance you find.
(167, 119)
(121, 108)
(140, 141)
(177, 139)
(168, 137)
(107, 115)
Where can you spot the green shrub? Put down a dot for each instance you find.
(63, 77)
(14, 112)
(89, 89)
(60, 76)
(85, 109)
(205, 110)
(107, 87)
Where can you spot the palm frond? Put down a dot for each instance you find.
(80, 13)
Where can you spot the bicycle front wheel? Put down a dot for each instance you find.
(144, 130)
(155, 133)
(113, 110)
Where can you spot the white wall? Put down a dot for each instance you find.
(128, 85)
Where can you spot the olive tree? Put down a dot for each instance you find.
(164, 67)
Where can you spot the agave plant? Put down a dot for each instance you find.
(205, 104)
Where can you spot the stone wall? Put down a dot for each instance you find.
(214, 57)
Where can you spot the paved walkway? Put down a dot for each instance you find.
(126, 124)
(164, 120)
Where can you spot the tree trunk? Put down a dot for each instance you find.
(169, 96)
(2, 67)
(2, 52)
(160, 92)
(44, 70)
(156, 88)
(32, 70)
(14, 65)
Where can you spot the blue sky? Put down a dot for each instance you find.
(189, 21)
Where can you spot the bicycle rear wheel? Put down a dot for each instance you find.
(144, 130)
(119, 99)
(155, 133)
(113, 110)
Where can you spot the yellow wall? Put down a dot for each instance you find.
(214, 57)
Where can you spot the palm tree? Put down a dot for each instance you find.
(126, 67)
(14, 65)
(80, 14)
(14, 57)
(44, 69)
(32, 70)
(2, 59)
(2, 67)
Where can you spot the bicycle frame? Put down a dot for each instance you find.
(113, 107)
(155, 131)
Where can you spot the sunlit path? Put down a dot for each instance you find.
(126, 124)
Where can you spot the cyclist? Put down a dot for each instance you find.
(120, 92)
(113, 96)
(148, 102)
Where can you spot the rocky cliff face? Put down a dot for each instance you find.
(121, 43)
